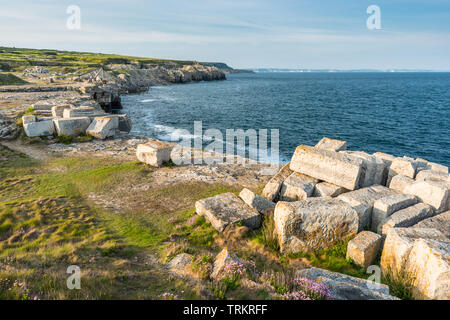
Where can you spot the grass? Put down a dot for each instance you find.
(7, 79)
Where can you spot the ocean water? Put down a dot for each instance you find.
(397, 113)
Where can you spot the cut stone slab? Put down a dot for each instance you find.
(222, 259)
(406, 217)
(329, 166)
(387, 159)
(331, 144)
(39, 128)
(103, 127)
(405, 166)
(432, 192)
(154, 152)
(345, 287)
(58, 111)
(439, 222)
(180, 264)
(363, 248)
(362, 201)
(28, 119)
(429, 262)
(272, 188)
(297, 187)
(431, 175)
(384, 207)
(433, 166)
(83, 111)
(398, 245)
(400, 182)
(313, 224)
(71, 126)
(325, 189)
(256, 201)
(374, 169)
(227, 208)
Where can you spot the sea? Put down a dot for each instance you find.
(398, 113)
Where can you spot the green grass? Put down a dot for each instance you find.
(7, 79)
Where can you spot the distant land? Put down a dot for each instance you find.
(266, 70)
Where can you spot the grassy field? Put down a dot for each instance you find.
(7, 79)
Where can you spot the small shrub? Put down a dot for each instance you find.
(400, 284)
(268, 233)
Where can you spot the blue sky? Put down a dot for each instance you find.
(247, 33)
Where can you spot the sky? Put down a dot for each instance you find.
(325, 34)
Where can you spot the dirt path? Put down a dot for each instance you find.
(34, 152)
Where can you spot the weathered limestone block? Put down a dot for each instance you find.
(363, 248)
(103, 127)
(400, 182)
(180, 264)
(398, 245)
(384, 207)
(227, 208)
(330, 166)
(406, 217)
(28, 119)
(362, 201)
(345, 287)
(431, 175)
(432, 192)
(58, 111)
(272, 188)
(297, 187)
(374, 168)
(405, 166)
(313, 224)
(429, 263)
(222, 259)
(71, 126)
(325, 189)
(39, 128)
(256, 201)
(331, 144)
(433, 166)
(387, 159)
(440, 222)
(154, 152)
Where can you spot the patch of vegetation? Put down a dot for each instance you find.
(400, 284)
(8, 79)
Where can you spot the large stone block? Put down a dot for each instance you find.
(363, 248)
(28, 119)
(400, 182)
(406, 217)
(398, 245)
(427, 165)
(440, 222)
(330, 166)
(325, 189)
(331, 144)
(429, 264)
(374, 169)
(58, 111)
(405, 166)
(345, 287)
(222, 259)
(103, 127)
(297, 187)
(273, 187)
(384, 207)
(154, 153)
(71, 126)
(432, 192)
(225, 209)
(431, 175)
(256, 201)
(313, 224)
(39, 128)
(362, 201)
(387, 159)
(83, 111)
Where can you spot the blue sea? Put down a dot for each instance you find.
(397, 113)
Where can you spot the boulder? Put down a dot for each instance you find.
(431, 175)
(272, 188)
(406, 217)
(28, 119)
(362, 201)
(345, 287)
(227, 208)
(429, 263)
(374, 168)
(330, 166)
(154, 152)
(325, 189)
(180, 264)
(405, 166)
(313, 224)
(71, 126)
(297, 187)
(440, 222)
(427, 165)
(387, 159)
(222, 259)
(398, 245)
(400, 182)
(384, 207)
(363, 248)
(39, 128)
(331, 144)
(256, 201)
(103, 127)
(432, 192)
